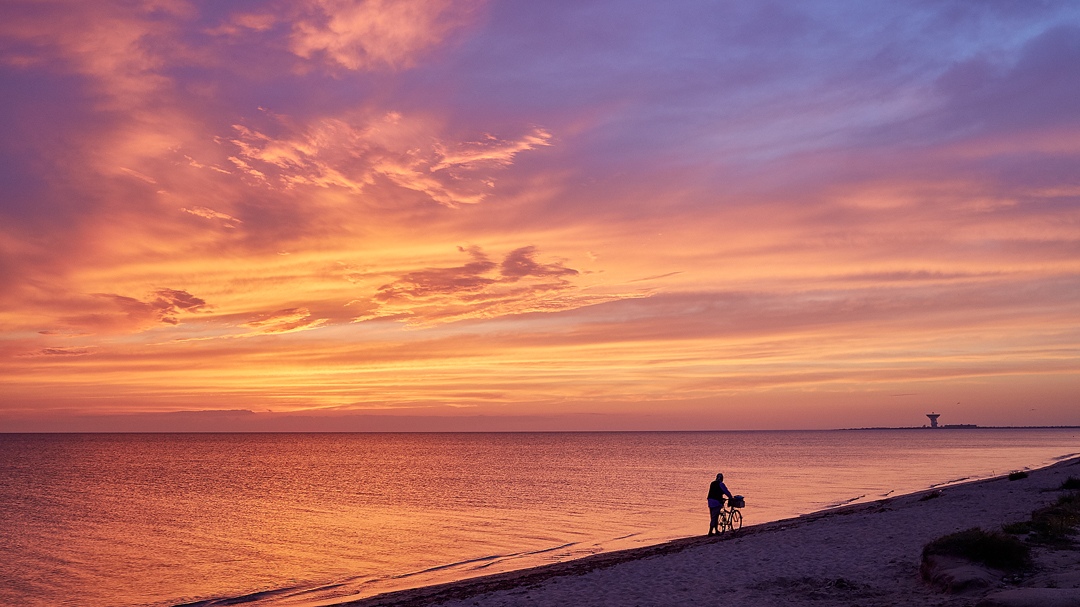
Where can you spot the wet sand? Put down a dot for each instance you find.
(864, 554)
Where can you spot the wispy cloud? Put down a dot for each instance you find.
(225, 220)
(284, 321)
(63, 352)
(490, 150)
(354, 154)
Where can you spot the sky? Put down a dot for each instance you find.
(509, 215)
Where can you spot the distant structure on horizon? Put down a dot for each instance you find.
(933, 423)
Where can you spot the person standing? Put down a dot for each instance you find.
(717, 491)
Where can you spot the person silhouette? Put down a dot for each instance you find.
(717, 491)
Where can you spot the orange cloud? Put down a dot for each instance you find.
(284, 321)
(376, 34)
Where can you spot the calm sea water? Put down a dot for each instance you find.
(165, 519)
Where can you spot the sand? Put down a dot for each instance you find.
(866, 554)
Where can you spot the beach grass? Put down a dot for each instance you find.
(1071, 483)
(990, 548)
(1057, 522)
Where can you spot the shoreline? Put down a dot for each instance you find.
(681, 558)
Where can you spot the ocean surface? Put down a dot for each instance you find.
(311, 519)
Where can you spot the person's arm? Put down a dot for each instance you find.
(724, 488)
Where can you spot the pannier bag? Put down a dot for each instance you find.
(737, 502)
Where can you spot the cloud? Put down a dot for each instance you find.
(491, 150)
(112, 312)
(289, 320)
(137, 175)
(163, 305)
(225, 220)
(171, 301)
(355, 153)
(656, 277)
(482, 288)
(431, 282)
(63, 352)
(117, 46)
(376, 34)
(471, 279)
(521, 263)
(278, 322)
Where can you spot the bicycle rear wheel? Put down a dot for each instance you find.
(725, 521)
(736, 520)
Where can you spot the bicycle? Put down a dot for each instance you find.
(730, 519)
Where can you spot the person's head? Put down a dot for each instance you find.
(720, 477)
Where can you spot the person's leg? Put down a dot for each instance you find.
(714, 520)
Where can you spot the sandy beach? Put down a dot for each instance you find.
(865, 554)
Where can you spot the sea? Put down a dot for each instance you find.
(289, 520)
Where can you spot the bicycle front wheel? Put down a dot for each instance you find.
(736, 520)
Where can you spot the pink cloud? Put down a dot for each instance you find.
(490, 150)
(483, 288)
(109, 312)
(104, 41)
(354, 153)
(376, 34)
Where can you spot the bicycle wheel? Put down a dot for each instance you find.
(736, 520)
(725, 521)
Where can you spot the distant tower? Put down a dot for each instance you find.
(933, 419)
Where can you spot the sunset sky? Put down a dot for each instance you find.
(399, 214)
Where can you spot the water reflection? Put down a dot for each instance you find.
(162, 519)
